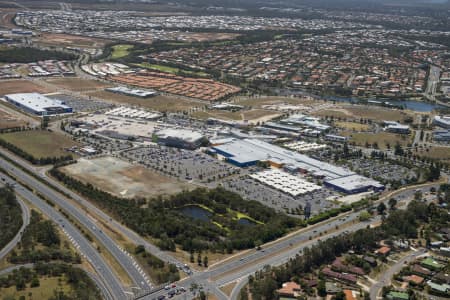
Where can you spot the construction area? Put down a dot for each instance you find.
(196, 88)
(124, 179)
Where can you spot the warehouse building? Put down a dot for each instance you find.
(180, 138)
(248, 152)
(285, 182)
(354, 184)
(442, 121)
(132, 92)
(38, 104)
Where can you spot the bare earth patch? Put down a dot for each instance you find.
(124, 179)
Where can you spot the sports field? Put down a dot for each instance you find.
(40, 143)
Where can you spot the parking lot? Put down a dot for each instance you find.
(103, 145)
(82, 105)
(381, 169)
(251, 189)
(181, 164)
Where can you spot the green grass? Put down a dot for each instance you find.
(171, 70)
(44, 291)
(40, 143)
(240, 215)
(120, 50)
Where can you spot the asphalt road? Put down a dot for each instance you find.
(127, 262)
(116, 226)
(79, 241)
(25, 221)
(386, 277)
(234, 269)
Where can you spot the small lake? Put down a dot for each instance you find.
(414, 105)
(196, 212)
(245, 221)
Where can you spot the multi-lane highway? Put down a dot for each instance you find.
(234, 269)
(123, 258)
(80, 242)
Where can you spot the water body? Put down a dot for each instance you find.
(414, 105)
(245, 221)
(196, 212)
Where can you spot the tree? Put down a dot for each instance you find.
(199, 259)
(392, 203)
(364, 216)
(321, 289)
(381, 208)
(205, 261)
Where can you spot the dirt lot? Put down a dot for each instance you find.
(68, 40)
(124, 179)
(21, 86)
(40, 143)
(160, 103)
(9, 121)
(78, 84)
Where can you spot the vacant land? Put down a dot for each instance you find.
(9, 121)
(121, 50)
(69, 40)
(160, 103)
(352, 126)
(441, 153)
(123, 179)
(355, 112)
(78, 84)
(382, 139)
(45, 291)
(274, 100)
(40, 143)
(252, 116)
(21, 86)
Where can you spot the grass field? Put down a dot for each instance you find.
(40, 143)
(121, 50)
(44, 291)
(352, 126)
(124, 179)
(250, 115)
(78, 84)
(273, 100)
(356, 112)
(381, 138)
(9, 121)
(160, 103)
(21, 86)
(441, 153)
(171, 70)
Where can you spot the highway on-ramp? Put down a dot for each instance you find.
(123, 258)
(79, 241)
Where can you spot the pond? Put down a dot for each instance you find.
(245, 221)
(196, 212)
(414, 105)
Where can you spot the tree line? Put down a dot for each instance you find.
(10, 216)
(41, 243)
(34, 160)
(82, 287)
(400, 224)
(28, 55)
(163, 220)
